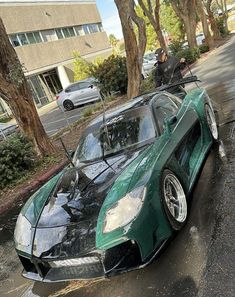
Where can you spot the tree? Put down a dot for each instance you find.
(113, 40)
(153, 15)
(15, 91)
(186, 11)
(171, 23)
(134, 45)
(222, 4)
(200, 10)
(81, 67)
(212, 20)
(152, 41)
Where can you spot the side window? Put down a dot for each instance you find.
(175, 99)
(73, 88)
(85, 85)
(164, 107)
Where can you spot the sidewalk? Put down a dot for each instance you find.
(42, 110)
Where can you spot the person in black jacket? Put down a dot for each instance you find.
(168, 70)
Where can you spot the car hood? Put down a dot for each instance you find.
(67, 224)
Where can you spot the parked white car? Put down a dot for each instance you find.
(7, 129)
(78, 93)
(200, 38)
(148, 65)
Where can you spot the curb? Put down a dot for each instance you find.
(28, 190)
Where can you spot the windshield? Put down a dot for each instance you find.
(124, 131)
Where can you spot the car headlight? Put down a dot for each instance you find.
(125, 210)
(22, 232)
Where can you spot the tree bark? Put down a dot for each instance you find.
(186, 11)
(222, 4)
(15, 91)
(202, 15)
(212, 20)
(135, 47)
(154, 18)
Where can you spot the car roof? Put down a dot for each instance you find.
(5, 126)
(89, 79)
(139, 101)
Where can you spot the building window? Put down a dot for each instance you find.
(71, 31)
(23, 39)
(79, 30)
(53, 34)
(93, 28)
(37, 37)
(86, 29)
(31, 38)
(100, 27)
(49, 35)
(68, 32)
(14, 40)
(59, 33)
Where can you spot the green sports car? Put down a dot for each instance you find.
(126, 193)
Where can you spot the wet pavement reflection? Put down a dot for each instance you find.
(177, 272)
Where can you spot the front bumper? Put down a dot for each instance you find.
(123, 257)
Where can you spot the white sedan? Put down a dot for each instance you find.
(78, 93)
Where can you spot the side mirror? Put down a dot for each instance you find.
(91, 86)
(168, 122)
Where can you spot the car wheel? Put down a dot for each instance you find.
(68, 105)
(174, 200)
(210, 117)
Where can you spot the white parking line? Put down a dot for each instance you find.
(61, 120)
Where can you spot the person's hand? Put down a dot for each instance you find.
(182, 60)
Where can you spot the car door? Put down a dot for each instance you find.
(73, 92)
(88, 91)
(185, 132)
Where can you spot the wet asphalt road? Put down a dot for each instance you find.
(200, 259)
(57, 119)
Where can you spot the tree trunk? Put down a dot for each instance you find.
(15, 91)
(226, 16)
(223, 6)
(212, 20)
(186, 11)
(154, 19)
(134, 49)
(201, 13)
(158, 27)
(190, 28)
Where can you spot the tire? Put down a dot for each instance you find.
(174, 200)
(211, 121)
(68, 105)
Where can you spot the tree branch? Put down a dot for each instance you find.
(141, 28)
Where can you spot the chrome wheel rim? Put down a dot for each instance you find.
(211, 122)
(175, 198)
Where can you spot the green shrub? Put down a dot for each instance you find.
(88, 111)
(175, 47)
(16, 156)
(203, 48)
(111, 75)
(190, 54)
(148, 84)
(221, 25)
